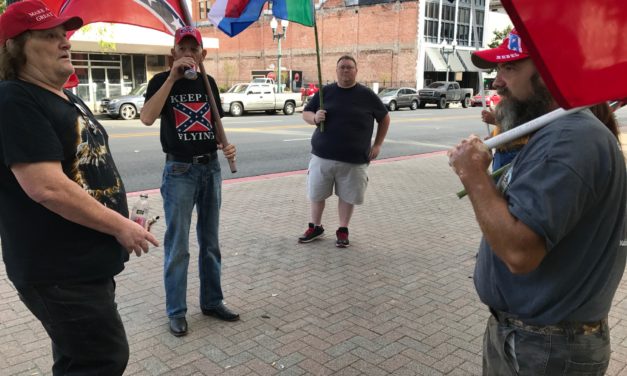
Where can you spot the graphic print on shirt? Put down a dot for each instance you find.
(193, 121)
(93, 168)
(503, 183)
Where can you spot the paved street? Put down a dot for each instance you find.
(399, 301)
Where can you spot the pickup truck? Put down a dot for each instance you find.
(442, 93)
(259, 97)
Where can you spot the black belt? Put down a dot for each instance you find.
(564, 327)
(196, 159)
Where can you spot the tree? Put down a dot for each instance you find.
(499, 36)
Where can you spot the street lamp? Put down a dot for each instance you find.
(447, 50)
(278, 35)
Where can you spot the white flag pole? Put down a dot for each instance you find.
(528, 127)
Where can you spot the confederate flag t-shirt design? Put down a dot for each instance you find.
(193, 121)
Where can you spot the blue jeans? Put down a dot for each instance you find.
(184, 186)
(512, 350)
(84, 325)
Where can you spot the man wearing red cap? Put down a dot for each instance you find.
(64, 220)
(551, 256)
(191, 177)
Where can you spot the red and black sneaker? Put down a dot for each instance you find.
(313, 232)
(342, 237)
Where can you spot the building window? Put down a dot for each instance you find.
(448, 22)
(463, 25)
(203, 9)
(432, 15)
(479, 15)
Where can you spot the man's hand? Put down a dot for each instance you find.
(470, 157)
(488, 116)
(374, 152)
(229, 152)
(134, 238)
(179, 66)
(320, 116)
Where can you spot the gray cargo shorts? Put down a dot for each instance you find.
(350, 180)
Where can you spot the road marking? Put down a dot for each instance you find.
(298, 139)
(276, 129)
(141, 134)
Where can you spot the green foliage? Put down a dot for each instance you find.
(104, 33)
(499, 36)
(3, 6)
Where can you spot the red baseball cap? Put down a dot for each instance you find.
(32, 15)
(511, 49)
(187, 31)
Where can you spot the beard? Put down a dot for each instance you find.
(512, 112)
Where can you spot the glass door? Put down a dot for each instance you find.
(98, 86)
(114, 83)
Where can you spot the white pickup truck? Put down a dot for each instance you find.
(258, 97)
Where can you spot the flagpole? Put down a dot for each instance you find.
(528, 127)
(318, 60)
(219, 129)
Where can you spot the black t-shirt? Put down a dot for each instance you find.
(349, 123)
(39, 246)
(186, 120)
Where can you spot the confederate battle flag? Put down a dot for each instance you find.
(162, 15)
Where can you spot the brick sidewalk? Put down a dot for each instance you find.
(399, 301)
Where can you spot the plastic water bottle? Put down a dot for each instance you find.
(139, 213)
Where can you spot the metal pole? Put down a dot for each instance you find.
(448, 67)
(280, 88)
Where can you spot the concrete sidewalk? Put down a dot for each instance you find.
(399, 301)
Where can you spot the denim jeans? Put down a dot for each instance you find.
(84, 325)
(184, 186)
(511, 350)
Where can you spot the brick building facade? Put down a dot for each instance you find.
(384, 36)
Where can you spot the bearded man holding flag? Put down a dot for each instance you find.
(552, 255)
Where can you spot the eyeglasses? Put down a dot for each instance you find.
(346, 67)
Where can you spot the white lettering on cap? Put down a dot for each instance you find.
(38, 11)
(44, 16)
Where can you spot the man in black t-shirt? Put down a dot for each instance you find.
(342, 152)
(64, 220)
(191, 177)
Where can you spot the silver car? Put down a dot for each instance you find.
(398, 97)
(127, 106)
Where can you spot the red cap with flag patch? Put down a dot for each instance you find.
(511, 49)
(187, 31)
(32, 15)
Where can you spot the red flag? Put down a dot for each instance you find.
(162, 15)
(71, 82)
(578, 46)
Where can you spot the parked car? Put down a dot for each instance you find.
(259, 97)
(491, 99)
(236, 88)
(263, 80)
(127, 106)
(398, 97)
(442, 93)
